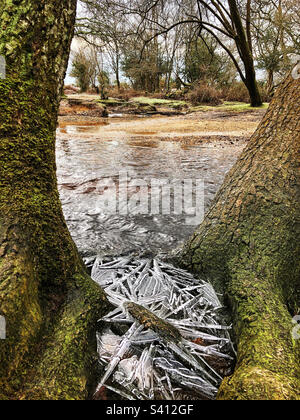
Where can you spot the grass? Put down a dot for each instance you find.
(229, 107)
(154, 101)
(175, 104)
(226, 106)
(111, 101)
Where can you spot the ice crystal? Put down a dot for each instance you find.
(142, 362)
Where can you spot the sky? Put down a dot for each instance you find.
(70, 80)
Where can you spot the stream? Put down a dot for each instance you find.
(88, 153)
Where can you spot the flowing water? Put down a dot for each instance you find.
(88, 153)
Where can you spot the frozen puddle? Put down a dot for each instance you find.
(165, 339)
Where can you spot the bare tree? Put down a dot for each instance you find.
(85, 67)
(222, 19)
(276, 32)
(104, 27)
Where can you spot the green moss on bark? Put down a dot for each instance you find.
(50, 303)
(248, 246)
(67, 368)
(41, 273)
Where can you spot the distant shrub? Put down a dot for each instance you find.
(124, 93)
(204, 94)
(266, 96)
(69, 89)
(237, 92)
(176, 94)
(160, 95)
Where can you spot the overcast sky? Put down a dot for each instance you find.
(70, 80)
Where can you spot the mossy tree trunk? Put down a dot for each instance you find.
(249, 245)
(49, 302)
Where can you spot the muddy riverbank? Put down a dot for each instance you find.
(197, 125)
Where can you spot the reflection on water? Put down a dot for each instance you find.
(82, 127)
(84, 162)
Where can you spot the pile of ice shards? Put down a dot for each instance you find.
(141, 360)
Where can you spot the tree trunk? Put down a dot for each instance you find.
(49, 302)
(118, 79)
(249, 25)
(118, 68)
(248, 246)
(251, 83)
(245, 50)
(270, 84)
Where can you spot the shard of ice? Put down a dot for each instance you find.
(164, 339)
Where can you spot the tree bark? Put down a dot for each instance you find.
(244, 46)
(248, 246)
(270, 84)
(248, 25)
(118, 74)
(50, 304)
